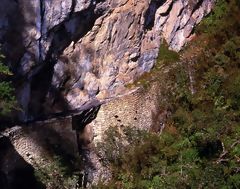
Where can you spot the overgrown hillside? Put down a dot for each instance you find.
(199, 146)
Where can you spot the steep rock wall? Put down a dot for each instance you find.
(67, 52)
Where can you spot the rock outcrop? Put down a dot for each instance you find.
(65, 53)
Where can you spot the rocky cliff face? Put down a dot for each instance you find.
(66, 53)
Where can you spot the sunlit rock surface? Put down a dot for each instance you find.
(66, 53)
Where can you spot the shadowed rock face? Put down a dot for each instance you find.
(15, 172)
(67, 52)
(33, 148)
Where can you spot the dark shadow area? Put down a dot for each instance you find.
(15, 172)
(62, 36)
(13, 37)
(151, 12)
(84, 139)
(42, 75)
(87, 116)
(210, 149)
(14, 43)
(61, 140)
(197, 6)
(12, 22)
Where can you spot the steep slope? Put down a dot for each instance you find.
(69, 53)
(66, 53)
(197, 144)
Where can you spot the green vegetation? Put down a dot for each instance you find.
(200, 144)
(7, 98)
(167, 56)
(58, 174)
(62, 172)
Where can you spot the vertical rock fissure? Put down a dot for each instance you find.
(42, 12)
(197, 6)
(168, 10)
(151, 12)
(72, 8)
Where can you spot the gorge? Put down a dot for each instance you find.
(76, 66)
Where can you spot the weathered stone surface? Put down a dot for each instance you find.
(65, 52)
(135, 110)
(176, 19)
(38, 144)
(140, 110)
(15, 172)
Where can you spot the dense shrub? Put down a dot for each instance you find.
(7, 98)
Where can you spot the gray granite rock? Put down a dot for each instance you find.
(69, 52)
